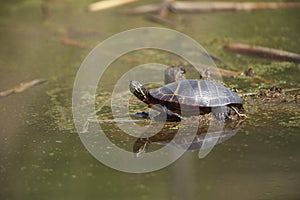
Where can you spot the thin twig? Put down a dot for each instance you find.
(256, 93)
(75, 43)
(113, 120)
(22, 87)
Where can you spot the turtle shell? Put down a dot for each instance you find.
(196, 93)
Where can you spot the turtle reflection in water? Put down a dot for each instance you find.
(189, 141)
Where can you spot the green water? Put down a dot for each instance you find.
(42, 156)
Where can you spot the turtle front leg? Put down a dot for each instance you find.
(165, 114)
(171, 116)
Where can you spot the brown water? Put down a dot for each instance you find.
(41, 154)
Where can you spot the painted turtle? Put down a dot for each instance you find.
(193, 97)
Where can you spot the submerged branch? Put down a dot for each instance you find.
(74, 43)
(22, 87)
(113, 120)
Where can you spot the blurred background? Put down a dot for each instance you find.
(41, 155)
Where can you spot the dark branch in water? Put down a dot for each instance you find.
(159, 19)
(230, 6)
(216, 6)
(264, 52)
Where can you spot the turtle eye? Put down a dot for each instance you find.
(143, 92)
(182, 70)
(234, 90)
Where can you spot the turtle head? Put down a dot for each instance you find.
(138, 90)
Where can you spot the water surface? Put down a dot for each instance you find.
(41, 154)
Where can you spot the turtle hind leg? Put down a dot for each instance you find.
(221, 113)
(220, 116)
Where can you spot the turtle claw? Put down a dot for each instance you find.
(140, 147)
(241, 115)
(143, 115)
